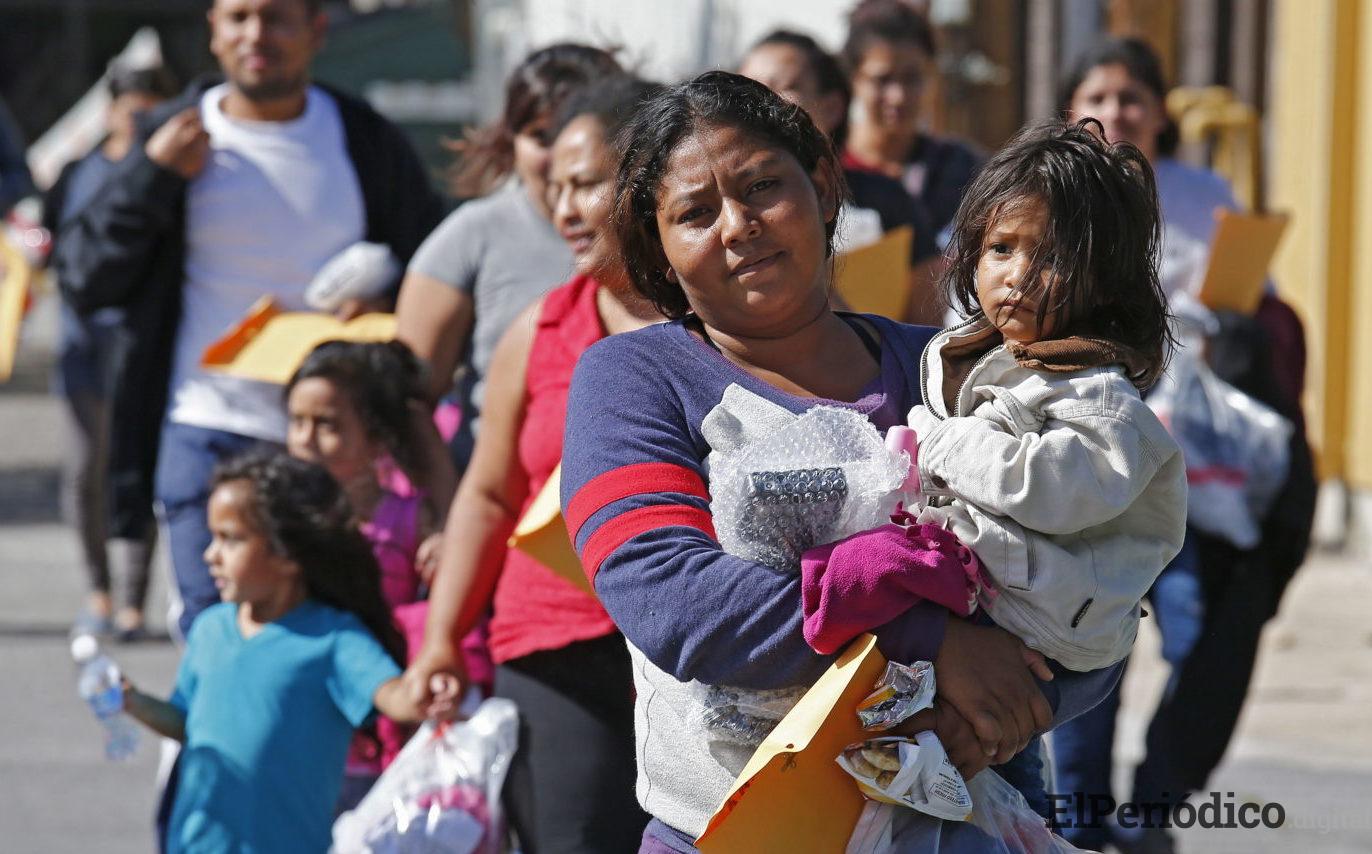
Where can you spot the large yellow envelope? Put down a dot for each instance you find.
(268, 344)
(542, 534)
(792, 796)
(1240, 254)
(15, 275)
(876, 278)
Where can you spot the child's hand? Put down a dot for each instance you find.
(445, 689)
(426, 558)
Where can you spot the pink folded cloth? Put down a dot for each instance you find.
(865, 581)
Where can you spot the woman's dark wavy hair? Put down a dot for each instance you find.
(1101, 237)
(830, 78)
(535, 89)
(715, 99)
(306, 518)
(612, 102)
(886, 21)
(1143, 65)
(382, 379)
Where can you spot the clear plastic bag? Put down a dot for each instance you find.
(745, 716)
(442, 792)
(1236, 448)
(813, 479)
(1001, 823)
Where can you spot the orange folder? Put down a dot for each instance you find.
(15, 275)
(1240, 254)
(542, 534)
(876, 278)
(792, 796)
(268, 344)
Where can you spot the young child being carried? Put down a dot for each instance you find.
(357, 409)
(275, 678)
(1035, 448)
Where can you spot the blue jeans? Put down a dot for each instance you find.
(1083, 747)
(185, 463)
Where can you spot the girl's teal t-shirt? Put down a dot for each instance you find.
(268, 723)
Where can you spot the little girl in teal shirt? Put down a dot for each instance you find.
(274, 680)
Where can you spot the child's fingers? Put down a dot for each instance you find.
(1038, 665)
(445, 687)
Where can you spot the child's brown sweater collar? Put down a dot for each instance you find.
(1056, 355)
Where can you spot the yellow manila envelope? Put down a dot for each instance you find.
(1240, 253)
(268, 344)
(542, 534)
(15, 275)
(792, 796)
(876, 278)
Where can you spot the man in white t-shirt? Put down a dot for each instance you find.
(245, 189)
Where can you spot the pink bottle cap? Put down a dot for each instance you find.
(903, 439)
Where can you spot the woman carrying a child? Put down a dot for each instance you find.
(724, 209)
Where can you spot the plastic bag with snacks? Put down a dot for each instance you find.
(917, 799)
(1001, 823)
(914, 773)
(442, 792)
(900, 693)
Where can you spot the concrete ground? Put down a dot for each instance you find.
(1305, 739)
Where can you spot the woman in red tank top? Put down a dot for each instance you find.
(558, 654)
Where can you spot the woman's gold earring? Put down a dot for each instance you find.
(671, 275)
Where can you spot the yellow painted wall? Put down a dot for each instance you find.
(1358, 444)
(1320, 132)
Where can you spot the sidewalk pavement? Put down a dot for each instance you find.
(1304, 741)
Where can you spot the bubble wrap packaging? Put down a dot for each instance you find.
(817, 478)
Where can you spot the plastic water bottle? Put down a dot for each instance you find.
(99, 684)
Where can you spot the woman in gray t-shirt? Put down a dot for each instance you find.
(495, 255)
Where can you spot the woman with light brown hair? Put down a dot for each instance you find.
(494, 255)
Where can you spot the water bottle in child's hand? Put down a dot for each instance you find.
(99, 683)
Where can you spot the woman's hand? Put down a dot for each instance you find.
(433, 682)
(959, 741)
(446, 692)
(987, 674)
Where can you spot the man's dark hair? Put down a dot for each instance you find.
(312, 7)
(1143, 66)
(716, 99)
(1100, 240)
(156, 81)
(830, 78)
(890, 21)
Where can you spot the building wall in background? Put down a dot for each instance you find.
(1321, 130)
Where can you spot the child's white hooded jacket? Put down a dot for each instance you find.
(1046, 462)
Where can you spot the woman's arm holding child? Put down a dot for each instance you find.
(157, 715)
